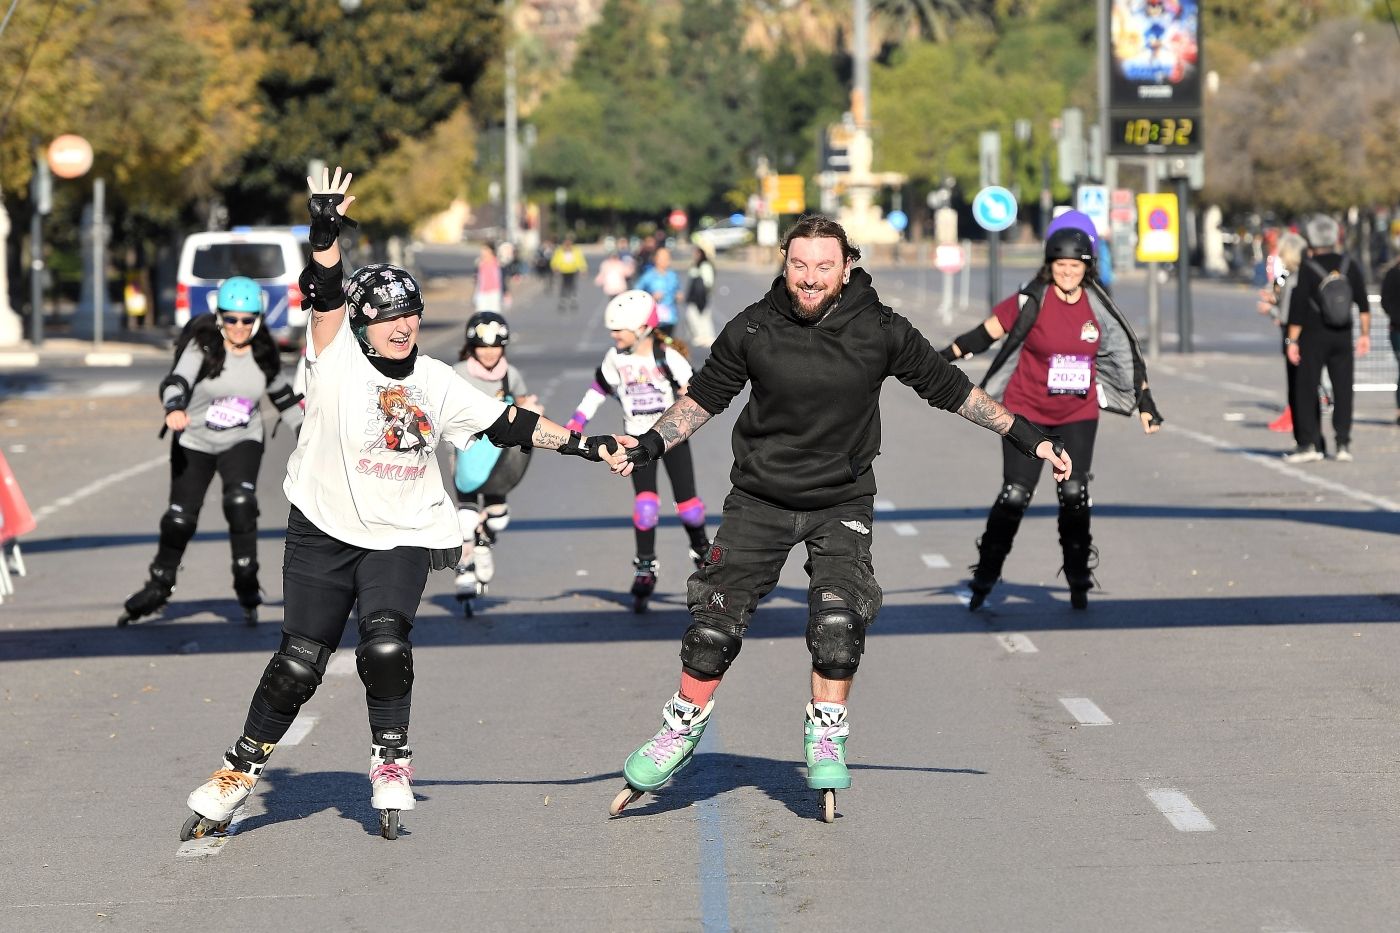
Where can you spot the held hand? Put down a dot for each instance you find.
(177, 420)
(613, 454)
(1057, 457)
(625, 442)
(1363, 345)
(1293, 353)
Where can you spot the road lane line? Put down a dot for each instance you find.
(905, 530)
(342, 665)
(1275, 463)
(300, 729)
(935, 561)
(98, 485)
(1017, 644)
(1180, 811)
(115, 388)
(884, 505)
(714, 878)
(1086, 711)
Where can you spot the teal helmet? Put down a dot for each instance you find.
(241, 294)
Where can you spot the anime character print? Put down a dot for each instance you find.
(404, 425)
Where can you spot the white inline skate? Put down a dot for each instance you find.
(391, 780)
(214, 802)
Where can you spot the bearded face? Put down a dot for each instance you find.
(814, 274)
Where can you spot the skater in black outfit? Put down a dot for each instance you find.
(817, 350)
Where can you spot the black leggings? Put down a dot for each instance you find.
(191, 472)
(646, 481)
(1078, 437)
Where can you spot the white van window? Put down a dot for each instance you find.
(255, 260)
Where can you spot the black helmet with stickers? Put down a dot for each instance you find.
(381, 292)
(1069, 243)
(487, 329)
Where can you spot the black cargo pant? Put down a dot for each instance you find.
(752, 544)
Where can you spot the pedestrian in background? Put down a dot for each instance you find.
(489, 280)
(664, 285)
(1282, 264)
(568, 260)
(1319, 338)
(1390, 304)
(613, 273)
(698, 289)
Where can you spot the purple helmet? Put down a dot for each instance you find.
(1075, 220)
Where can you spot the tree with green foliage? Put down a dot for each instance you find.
(357, 88)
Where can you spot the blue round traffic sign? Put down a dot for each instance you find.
(898, 219)
(994, 208)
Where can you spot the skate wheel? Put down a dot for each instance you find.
(828, 806)
(467, 610)
(197, 827)
(626, 796)
(389, 824)
(122, 620)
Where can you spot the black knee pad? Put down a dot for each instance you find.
(836, 638)
(241, 510)
(385, 657)
(708, 650)
(177, 526)
(1014, 497)
(294, 673)
(1074, 493)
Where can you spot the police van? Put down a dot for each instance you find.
(271, 256)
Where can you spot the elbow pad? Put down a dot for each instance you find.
(513, 432)
(976, 340)
(176, 402)
(323, 289)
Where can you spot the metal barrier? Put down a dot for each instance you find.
(1377, 370)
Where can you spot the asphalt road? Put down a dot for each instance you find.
(1209, 747)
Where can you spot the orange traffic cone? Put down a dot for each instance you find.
(15, 517)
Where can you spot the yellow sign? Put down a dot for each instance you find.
(785, 194)
(1159, 228)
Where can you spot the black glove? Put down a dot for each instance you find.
(326, 220)
(1025, 435)
(947, 353)
(1148, 407)
(588, 447)
(650, 448)
(444, 558)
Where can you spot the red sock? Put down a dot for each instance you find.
(698, 690)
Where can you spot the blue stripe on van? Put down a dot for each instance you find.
(276, 319)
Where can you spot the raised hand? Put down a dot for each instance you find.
(327, 207)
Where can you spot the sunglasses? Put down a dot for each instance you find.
(245, 320)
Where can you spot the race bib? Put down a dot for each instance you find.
(229, 411)
(643, 398)
(1070, 374)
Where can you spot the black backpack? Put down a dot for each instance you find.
(1334, 297)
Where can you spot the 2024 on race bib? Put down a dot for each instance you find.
(228, 411)
(1070, 374)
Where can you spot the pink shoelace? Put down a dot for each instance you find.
(664, 746)
(826, 749)
(392, 771)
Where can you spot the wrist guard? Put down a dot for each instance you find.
(650, 448)
(177, 402)
(322, 288)
(326, 220)
(588, 447)
(1147, 406)
(947, 353)
(1025, 435)
(976, 340)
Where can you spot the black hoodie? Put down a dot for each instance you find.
(811, 430)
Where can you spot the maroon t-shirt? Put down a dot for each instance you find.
(1054, 381)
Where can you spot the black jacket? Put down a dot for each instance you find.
(1303, 309)
(811, 430)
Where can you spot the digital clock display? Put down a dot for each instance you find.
(1130, 135)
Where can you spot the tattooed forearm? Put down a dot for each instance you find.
(680, 421)
(549, 435)
(981, 408)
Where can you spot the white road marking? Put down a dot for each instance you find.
(935, 561)
(300, 729)
(904, 529)
(884, 505)
(1179, 810)
(114, 388)
(1086, 711)
(1276, 464)
(342, 665)
(1017, 644)
(211, 845)
(97, 486)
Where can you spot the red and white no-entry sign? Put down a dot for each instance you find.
(70, 156)
(677, 219)
(948, 258)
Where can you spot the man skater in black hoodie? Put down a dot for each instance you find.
(816, 349)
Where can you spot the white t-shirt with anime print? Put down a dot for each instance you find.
(364, 470)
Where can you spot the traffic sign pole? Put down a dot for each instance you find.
(1183, 269)
(1154, 311)
(993, 268)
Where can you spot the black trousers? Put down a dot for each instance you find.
(680, 468)
(1318, 349)
(191, 472)
(752, 545)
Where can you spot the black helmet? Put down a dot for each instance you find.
(487, 329)
(381, 292)
(1069, 243)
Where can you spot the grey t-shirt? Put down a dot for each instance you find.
(224, 410)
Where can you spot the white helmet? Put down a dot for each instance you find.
(633, 310)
